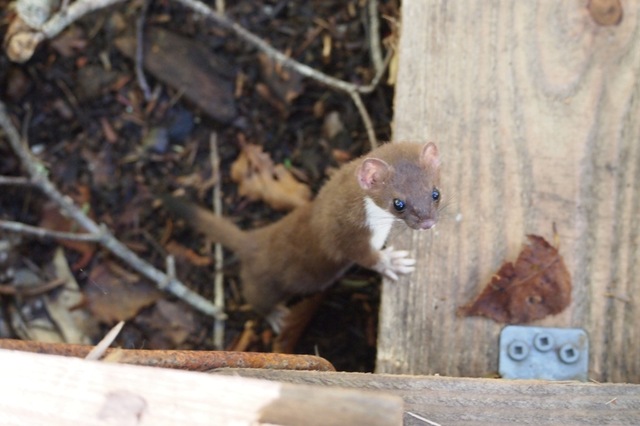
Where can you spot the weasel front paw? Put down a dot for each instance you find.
(394, 262)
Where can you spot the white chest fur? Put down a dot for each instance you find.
(379, 222)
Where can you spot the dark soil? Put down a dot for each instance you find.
(81, 108)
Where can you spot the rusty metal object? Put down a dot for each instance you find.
(181, 360)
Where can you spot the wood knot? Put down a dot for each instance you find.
(606, 12)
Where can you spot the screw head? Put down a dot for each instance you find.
(518, 350)
(543, 342)
(569, 354)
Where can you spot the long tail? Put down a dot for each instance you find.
(218, 228)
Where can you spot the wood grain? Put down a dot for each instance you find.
(465, 401)
(535, 108)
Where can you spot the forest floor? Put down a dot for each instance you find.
(80, 106)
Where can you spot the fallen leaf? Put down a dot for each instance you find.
(54, 220)
(284, 83)
(182, 252)
(70, 41)
(538, 285)
(259, 179)
(172, 323)
(74, 324)
(114, 296)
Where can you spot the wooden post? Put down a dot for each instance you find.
(535, 107)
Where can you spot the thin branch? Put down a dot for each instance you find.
(99, 350)
(218, 288)
(357, 100)
(8, 289)
(15, 180)
(38, 174)
(374, 37)
(75, 11)
(142, 81)
(43, 233)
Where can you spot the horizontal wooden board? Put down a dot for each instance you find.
(53, 390)
(465, 401)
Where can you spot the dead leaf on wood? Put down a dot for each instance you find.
(115, 296)
(258, 178)
(537, 285)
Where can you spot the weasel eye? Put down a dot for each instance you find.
(398, 204)
(435, 194)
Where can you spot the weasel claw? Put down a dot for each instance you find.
(394, 262)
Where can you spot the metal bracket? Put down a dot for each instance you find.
(544, 353)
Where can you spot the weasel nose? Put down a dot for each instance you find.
(427, 224)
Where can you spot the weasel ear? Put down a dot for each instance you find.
(429, 156)
(372, 172)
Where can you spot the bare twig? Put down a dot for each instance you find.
(220, 6)
(23, 228)
(75, 11)
(38, 175)
(99, 350)
(8, 289)
(142, 81)
(14, 180)
(374, 37)
(366, 119)
(218, 289)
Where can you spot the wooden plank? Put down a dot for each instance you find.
(535, 109)
(467, 401)
(55, 390)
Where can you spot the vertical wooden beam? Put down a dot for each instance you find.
(536, 109)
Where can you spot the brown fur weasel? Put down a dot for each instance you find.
(347, 223)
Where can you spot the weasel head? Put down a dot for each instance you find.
(404, 182)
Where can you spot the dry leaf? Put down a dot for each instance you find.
(259, 179)
(284, 83)
(171, 322)
(114, 297)
(537, 285)
(54, 220)
(70, 42)
(74, 324)
(182, 252)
